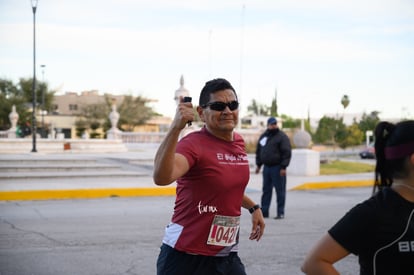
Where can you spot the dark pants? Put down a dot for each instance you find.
(273, 179)
(173, 262)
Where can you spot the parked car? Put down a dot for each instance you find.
(368, 152)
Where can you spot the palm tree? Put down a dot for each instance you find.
(345, 102)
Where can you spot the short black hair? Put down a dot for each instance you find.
(213, 86)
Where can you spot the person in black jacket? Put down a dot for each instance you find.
(273, 151)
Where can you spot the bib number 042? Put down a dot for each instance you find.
(224, 231)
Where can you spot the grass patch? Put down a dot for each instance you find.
(343, 167)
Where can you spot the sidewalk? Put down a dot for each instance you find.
(138, 162)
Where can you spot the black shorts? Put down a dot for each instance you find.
(173, 262)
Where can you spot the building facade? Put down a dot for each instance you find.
(67, 108)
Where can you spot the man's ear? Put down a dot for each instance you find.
(200, 112)
(412, 159)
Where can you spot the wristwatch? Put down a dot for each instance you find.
(254, 208)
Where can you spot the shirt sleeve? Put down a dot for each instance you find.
(258, 150)
(285, 152)
(188, 147)
(354, 230)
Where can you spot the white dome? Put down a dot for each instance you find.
(181, 91)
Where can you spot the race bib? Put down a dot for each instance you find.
(224, 230)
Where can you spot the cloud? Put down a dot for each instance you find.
(323, 48)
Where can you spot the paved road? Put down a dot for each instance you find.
(122, 235)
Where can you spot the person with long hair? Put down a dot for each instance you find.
(379, 230)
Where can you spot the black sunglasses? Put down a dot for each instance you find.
(220, 106)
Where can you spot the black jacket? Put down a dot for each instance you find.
(273, 148)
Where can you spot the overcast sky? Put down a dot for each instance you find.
(311, 52)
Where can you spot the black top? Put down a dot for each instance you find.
(380, 231)
(273, 148)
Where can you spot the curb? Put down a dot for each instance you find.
(146, 191)
(85, 193)
(333, 184)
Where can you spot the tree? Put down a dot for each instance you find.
(274, 108)
(253, 108)
(93, 116)
(345, 101)
(20, 95)
(259, 109)
(329, 131)
(81, 126)
(289, 122)
(133, 112)
(353, 136)
(10, 95)
(368, 122)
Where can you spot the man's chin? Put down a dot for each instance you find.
(228, 125)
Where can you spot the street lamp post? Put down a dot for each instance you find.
(43, 100)
(34, 6)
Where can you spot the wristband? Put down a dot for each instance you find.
(254, 208)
